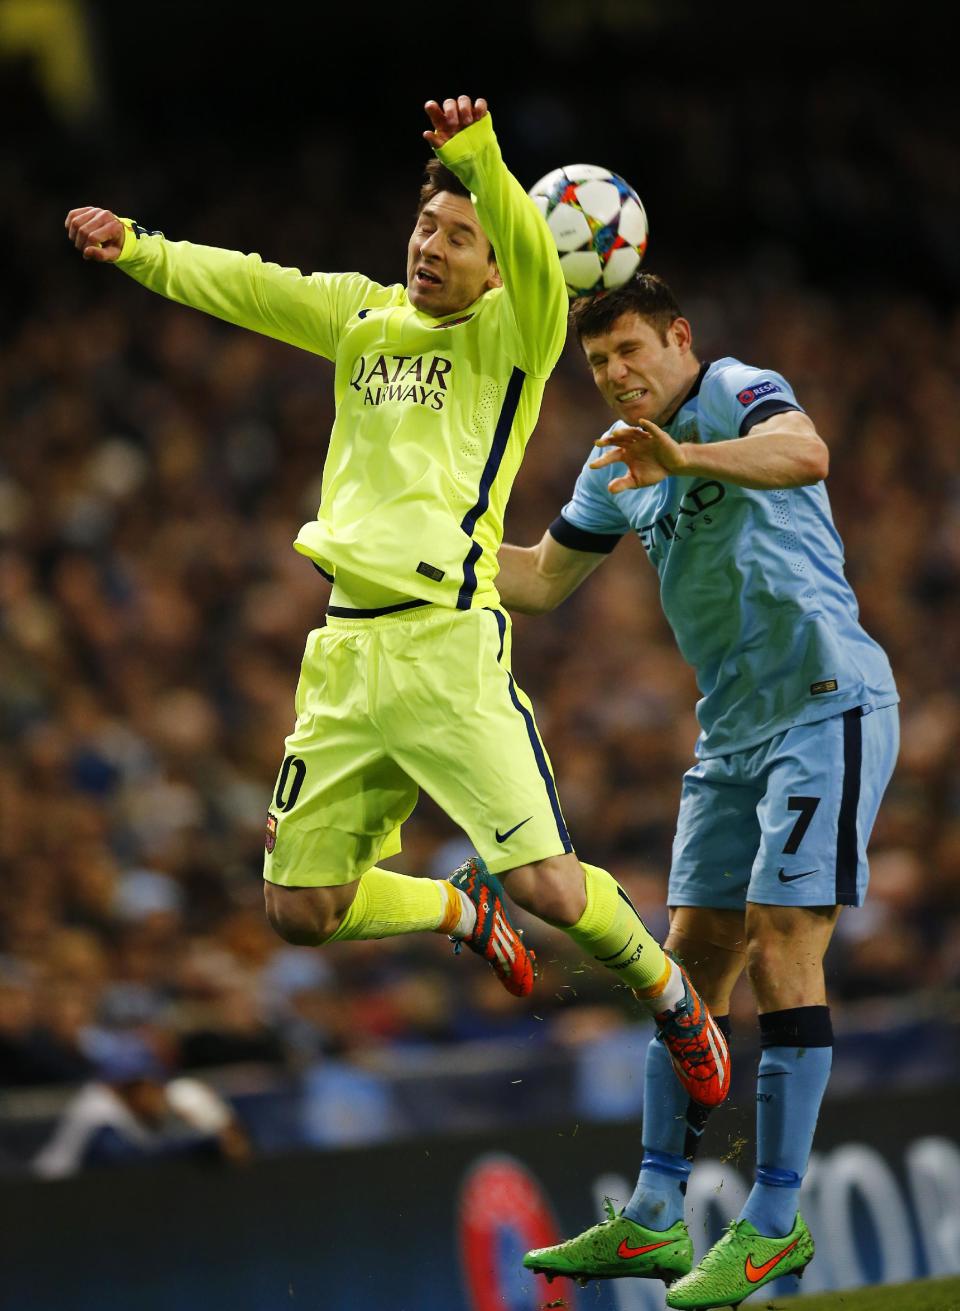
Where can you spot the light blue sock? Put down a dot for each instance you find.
(793, 1074)
(672, 1127)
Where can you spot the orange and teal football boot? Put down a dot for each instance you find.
(494, 936)
(697, 1048)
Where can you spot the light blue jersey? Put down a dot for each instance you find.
(751, 582)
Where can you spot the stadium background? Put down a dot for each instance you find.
(801, 181)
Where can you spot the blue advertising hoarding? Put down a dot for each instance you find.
(442, 1223)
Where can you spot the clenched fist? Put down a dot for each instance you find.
(97, 233)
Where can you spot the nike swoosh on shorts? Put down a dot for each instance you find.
(502, 837)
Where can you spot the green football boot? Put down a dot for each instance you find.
(739, 1264)
(615, 1248)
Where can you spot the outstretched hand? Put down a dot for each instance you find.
(452, 118)
(97, 233)
(649, 453)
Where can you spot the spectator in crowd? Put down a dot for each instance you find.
(131, 1113)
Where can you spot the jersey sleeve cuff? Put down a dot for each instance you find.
(129, 240)
(765, 410)
(468, 142)
(578, 539)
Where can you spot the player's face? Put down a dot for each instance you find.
(639, 375)
(448, 257)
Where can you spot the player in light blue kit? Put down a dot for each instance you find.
(720, 472)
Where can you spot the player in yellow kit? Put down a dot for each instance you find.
(438, 385)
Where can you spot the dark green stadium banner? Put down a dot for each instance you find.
(440, 1225)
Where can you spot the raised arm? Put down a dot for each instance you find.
(782, 451)
(534, 579)
(305, 311)
(462, 134)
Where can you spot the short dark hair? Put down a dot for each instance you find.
(436, 178)
(645, 295)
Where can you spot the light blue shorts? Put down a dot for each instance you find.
(786, 823)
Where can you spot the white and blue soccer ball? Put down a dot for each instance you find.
(598, 223)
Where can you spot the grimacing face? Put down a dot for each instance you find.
(449, 264)
(638, 374)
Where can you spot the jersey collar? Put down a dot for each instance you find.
(451, 320)
(695, 387)
(694, 391)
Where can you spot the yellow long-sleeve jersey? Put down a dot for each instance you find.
(432, 415)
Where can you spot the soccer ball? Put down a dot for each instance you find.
(598, 223)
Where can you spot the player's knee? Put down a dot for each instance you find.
(768, 958)
(305, 917)
(551, 889)
(710, 944)
(785, 950)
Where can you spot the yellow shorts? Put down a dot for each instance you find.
(422, 698)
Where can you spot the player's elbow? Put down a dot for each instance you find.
(524, 584)
(551, 589)
(818, 461)
(811, 463)
(537, 602)
(549, 601)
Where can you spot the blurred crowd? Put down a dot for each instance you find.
(155, 468)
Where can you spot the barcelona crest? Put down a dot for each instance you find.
(270, 837)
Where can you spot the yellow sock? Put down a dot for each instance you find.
(612, 932)
(389, 904)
